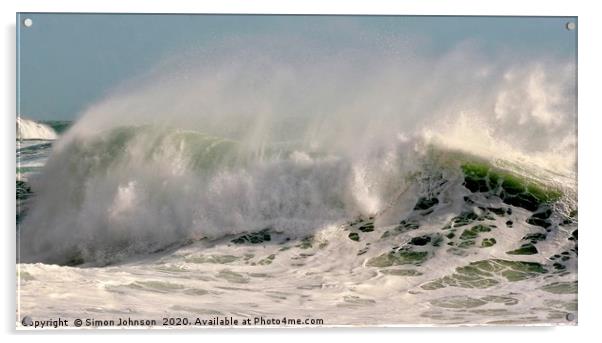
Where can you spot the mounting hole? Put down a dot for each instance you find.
(27, 22)
(570, 317)
(570, 26)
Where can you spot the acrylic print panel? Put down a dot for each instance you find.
(280, 171)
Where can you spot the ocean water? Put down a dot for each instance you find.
(463, 240)
(435, 191)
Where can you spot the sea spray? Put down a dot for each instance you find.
(135, 191)
(273, 136)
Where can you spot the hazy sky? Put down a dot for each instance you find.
(69, 61)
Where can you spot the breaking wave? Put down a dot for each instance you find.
(279, 138)
(29, 129)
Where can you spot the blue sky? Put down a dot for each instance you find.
(69, 61)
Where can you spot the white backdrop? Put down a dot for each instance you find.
(590, 143)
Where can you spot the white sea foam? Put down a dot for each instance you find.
(29, 129)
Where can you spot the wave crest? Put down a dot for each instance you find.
(29, 129)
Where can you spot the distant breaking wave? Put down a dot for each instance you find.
(29, 129)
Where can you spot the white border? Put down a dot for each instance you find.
(590, 133)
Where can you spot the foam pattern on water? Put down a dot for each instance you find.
(450, 258)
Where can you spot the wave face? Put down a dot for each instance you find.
(138, 190)
(29, 130)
